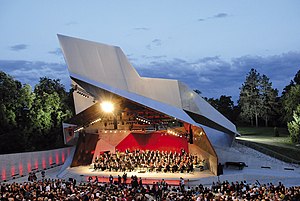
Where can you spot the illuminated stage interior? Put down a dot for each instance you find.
(128, 125)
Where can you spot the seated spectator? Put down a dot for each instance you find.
(58, 189)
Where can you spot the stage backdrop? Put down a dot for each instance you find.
(153, 141)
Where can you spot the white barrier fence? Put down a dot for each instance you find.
(20, 164)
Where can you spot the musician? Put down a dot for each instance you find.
(95, 165)
(159, 160)
(151, 166)
(167, 168)
(190, 167)
(182, 167)
(174, 168)
(202, 165)
(159, 167)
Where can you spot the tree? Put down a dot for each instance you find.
(250, 102)
(197, 91)
(9, 93)
(290, 101)
(293, 82)
(225, 106)
(213, 102)
(268, 97)
(48, 112)
(32, 120)
(290, 98)
(294, 126)
(16, 100)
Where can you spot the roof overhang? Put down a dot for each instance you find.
(106, 67)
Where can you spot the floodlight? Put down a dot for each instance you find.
(107, 107)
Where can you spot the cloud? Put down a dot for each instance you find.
(154, 43)
(157, 42)
(141, 29)
(214, 76)
(216, 16)
(18, 47)
(155, 57)
(220, 15)
(29, 72)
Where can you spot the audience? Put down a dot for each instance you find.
(67, 190)
(159, 161)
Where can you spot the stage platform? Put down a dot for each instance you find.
(206, 178)
(82, 173)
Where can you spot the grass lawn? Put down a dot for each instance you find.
(265, 135)
(265, 138)
(262, 131)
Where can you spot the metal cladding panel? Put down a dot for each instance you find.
(218, 138)
(81, 103)
(187, 98)
(211, 113)
(162, 90)
(108, 64)
(94, 60)
(148, 102)
(191, 101)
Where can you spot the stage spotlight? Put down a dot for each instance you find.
(107, 107)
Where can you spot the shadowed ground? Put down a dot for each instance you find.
(265, 138)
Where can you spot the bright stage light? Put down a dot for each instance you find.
(107, 107)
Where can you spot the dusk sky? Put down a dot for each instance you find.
(210, 45)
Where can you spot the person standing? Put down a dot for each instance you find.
(111, 179)
(43, 174)
(90, 179)
(119, 180)
(96, 180)
(181, 183)
(124, 178)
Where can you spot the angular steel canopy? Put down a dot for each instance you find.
(107, 67)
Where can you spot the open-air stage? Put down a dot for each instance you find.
(117, 109)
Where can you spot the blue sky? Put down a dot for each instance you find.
(210, 45)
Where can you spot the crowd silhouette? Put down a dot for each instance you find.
(57, 189)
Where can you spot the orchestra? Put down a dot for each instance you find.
(151, 160)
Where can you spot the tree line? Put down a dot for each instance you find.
(260, 104)
(32, 119)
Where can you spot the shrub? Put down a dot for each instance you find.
(294, 126)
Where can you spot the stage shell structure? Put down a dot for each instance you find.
(117, 109)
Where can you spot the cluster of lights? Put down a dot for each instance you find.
(95, 121)
(143, 120)
(83, 94)
(78, 129)
(115, 131)
(81, 91)
(172, 132)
